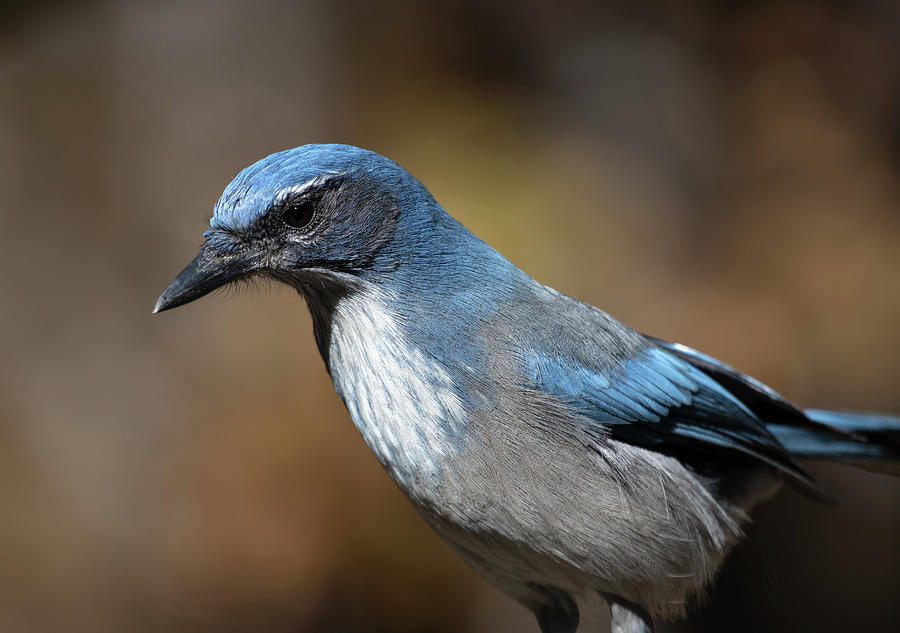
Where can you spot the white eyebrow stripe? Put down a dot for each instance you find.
(296, 190)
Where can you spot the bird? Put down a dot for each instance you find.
(566, 457)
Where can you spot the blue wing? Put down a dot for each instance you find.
(658, 398)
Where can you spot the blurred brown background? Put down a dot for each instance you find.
(720, 173)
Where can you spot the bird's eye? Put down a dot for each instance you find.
(299, 214)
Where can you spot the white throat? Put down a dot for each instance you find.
(403, 402)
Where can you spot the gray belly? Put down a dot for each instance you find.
(529, 503)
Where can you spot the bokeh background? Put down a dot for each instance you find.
(724, 174)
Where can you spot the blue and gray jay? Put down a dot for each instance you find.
(564, 456)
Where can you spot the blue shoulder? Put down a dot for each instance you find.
(657, 398)
(642, 388)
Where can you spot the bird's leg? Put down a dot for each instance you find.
(556, 612)
(627, 617)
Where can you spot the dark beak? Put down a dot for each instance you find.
(209, 270)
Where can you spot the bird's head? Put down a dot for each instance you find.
(310, 216)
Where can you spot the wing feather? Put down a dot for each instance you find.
(660, 399)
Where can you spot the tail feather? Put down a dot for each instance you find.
(876, 424)
(867, 440)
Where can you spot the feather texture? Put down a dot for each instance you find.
(563, 455)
